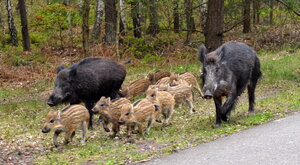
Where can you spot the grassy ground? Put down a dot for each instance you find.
(22, 112)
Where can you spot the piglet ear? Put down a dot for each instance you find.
(202, 53)
(60, 68)
(108, 100)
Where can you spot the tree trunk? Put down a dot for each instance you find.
(11, 24)
(136, 18)
(98, 20)
(2, 30)
(153, 28)
(254, 12)
(247, 17)
(118, 8)
(85, 27)
(215, 23)
(257, 9)
(25, 34)
(176, 16)
(123, 22)
(271, 12)
(203, 13)
(189, 21)
(110, 21)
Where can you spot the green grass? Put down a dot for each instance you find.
(278, 93)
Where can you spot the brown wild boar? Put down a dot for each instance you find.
(181, 92)
(188, 78)
(191, 79)
(156, 76)
(165, 101)
(67, 120)
(142, 111)
(136, 88)
(110, 111)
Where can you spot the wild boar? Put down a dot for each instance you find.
(142, 111)
(227, 71)
(165, 101)
(156, 76)
(181, 93)
(191, 79)
(86, 81)
(136, 88)
(67, 120)
(110, 111)
(165, 80)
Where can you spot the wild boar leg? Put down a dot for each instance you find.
(218, 104)
(72, 136)
(67, 136)
(56, 133)
(90, 106)
(84, 130)
(149, 125)
(105, 123)
(190, 103)
(140, 127)
(229, 103)
(115, 128)
(251, 95)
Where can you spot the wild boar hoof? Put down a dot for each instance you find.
(107, 129)
(157, 120)
(251, 113)
(216, 125)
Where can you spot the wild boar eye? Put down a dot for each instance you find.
(127, 114)
(153, 95)
(51, 121)
(101, 105)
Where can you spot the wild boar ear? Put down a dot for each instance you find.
(72, 73)
(108, 100)
(60, 68)
(202, 53)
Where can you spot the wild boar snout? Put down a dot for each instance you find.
(121, 122)
(46, 130)
(208, 94)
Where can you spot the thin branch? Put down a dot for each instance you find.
(289, 7)
(234, 25)
(185, 30)
(199, 5)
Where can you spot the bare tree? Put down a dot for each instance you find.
(2, 30)
(118, 8)
(123, 16)
(247, 17)
(256, 13)
(189, 21)
(215, 24)
(25, 33)
(176, 17)
(98, 20)
(110, 21)
(203, 13)
(153, 28)
(271, 3)
(11, 24)
(136, 18)
(85, 26)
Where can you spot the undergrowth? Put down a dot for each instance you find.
(22, 112)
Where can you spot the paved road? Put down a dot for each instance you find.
(273, 143)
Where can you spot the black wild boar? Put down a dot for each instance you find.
(86, 81)
(227, 71)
